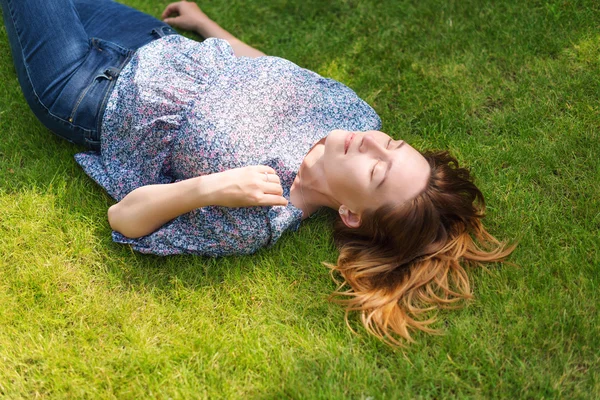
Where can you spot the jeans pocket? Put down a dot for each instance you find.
(87, 106)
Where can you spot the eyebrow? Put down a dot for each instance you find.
(387, 171)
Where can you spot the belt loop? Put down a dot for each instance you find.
(112, 73)
(92, 144)
(157, 33)
(163, 31)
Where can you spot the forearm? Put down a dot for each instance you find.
(209, 28)
(187, 15)
(147, 208)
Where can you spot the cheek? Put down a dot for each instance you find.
(348, 177)
(354, 180)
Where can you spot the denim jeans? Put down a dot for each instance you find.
(68, 54)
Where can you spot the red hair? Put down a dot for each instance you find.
(405, 261)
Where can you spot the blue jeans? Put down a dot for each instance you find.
(68, 54)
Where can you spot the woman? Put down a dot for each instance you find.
(213, 148)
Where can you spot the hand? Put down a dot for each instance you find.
(257, 185)
(188, 16)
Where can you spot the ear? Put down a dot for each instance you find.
(351, 219)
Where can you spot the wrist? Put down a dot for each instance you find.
(199, 25)
(206, 190)
(207, 28)
(203, 26)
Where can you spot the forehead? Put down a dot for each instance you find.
(408, 175)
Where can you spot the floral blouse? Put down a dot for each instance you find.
(182, 108)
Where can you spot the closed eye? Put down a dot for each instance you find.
(387, 146)
(373, 170)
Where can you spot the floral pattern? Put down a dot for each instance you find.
(182, 108)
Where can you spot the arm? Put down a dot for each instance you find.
(188, 16)
(147, 208)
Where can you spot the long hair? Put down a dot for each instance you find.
(405, 261)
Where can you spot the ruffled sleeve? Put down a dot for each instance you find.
(209, 231)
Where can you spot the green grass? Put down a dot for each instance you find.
(510, 87)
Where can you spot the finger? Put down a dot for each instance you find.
(273, 178)
(270, 178)
(273, 188)
(265, 168)
(271, 174)
(274, 200)
(171, 9)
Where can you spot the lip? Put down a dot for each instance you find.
(349, 139)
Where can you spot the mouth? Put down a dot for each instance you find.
(349, 139)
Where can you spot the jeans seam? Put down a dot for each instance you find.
(27, 73)
(80, 99)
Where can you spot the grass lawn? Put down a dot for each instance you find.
(510, 87)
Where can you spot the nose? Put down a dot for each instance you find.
(370, 143)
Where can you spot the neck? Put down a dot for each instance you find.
(310, 190)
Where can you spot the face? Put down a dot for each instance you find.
(366, 170)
